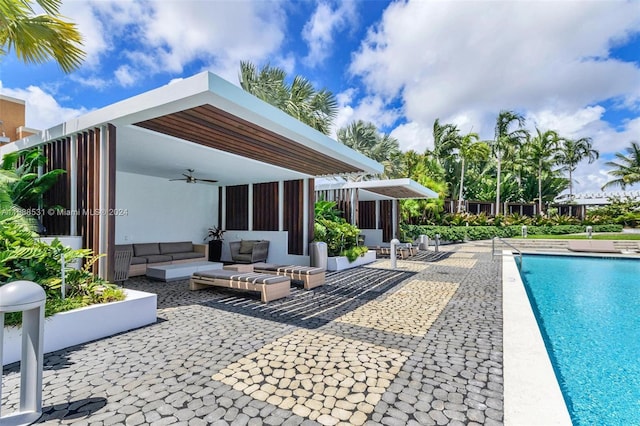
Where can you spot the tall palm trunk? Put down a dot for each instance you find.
(461, 187)
(540, 187)
(570, 182)
(499, 158)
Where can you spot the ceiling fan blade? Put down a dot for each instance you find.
(207, 180)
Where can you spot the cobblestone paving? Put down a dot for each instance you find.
(400, 264)
(373, 346)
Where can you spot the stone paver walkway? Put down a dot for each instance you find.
(421, 344)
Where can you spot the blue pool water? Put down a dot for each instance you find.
(589, 312)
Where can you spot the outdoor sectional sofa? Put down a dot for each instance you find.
(166, 253)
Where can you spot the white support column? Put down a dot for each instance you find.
(353, 199)
(306, 217)
(73, 185)
(281, 206)
(377, 214)
(250, 208)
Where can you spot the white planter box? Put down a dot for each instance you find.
(339, 263)
(86, 324)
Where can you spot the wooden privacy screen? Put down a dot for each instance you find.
(386, 220)
(294, 215)
(265, 206)
(237, 207)
(367, 215)
(58, 154)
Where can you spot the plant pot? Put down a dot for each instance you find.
(215, 250)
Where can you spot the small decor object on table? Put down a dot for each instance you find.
(214, 236)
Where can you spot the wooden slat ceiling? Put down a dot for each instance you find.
(210, 126)
(396, 192)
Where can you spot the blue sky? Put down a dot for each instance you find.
(572, 66)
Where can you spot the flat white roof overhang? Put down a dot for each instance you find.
(207, 124)
(389, 189)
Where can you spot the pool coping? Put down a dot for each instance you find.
(532, 395)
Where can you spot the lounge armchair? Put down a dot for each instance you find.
(249, 251)
(310, 276)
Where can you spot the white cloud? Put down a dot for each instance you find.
(463, 62)
(150, 37)
(413, 136)
(42, 110)
(319, 30)
(368, 108)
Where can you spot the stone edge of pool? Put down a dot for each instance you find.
(532, 395)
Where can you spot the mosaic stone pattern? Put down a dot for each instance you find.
(462, 256)
(317, 375)
(400, 264)
(458, 263)
(410, 310)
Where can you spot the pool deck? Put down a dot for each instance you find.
(419, 344)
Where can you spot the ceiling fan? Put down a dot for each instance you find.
(190, 178)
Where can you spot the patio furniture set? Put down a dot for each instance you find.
(249, 272)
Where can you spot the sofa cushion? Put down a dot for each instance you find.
(138, 260)
(146, 249)
(177, 247)
(242, 258)
(246, 246)
(157, 258)
(181, 256)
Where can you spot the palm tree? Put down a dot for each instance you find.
(316, 108)
(572, 152)
(504, 139)
(38, 38)
(542, 152)
(467, 148)
(627, 169)
(365, 138)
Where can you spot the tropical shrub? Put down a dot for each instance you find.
(341, 237)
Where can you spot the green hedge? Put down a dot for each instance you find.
(471, 233)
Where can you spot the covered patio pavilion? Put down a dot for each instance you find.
(120, 161)
(372, 205)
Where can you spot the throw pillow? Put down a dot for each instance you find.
(246, 247)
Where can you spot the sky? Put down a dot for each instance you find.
(569, 66)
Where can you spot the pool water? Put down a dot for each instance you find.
(588, 310)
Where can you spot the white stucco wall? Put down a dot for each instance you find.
(159, 210)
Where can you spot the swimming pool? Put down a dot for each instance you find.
(588, 310)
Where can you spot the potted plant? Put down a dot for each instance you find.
(214, 237)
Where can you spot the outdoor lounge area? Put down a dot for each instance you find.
(360, 348)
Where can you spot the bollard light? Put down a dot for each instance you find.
(589, 231)
(437, 242)
(29, 298)
(524, 231)
(394, 248)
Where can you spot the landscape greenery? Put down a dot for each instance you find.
(516, 165)
(340, 236)
(23, 256)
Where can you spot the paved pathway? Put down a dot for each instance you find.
(421, 344)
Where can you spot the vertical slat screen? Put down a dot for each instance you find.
(293, 215)
(237, 207)
(58, 157)
(367, 215)
(89, 190)
(265, 206)
(311, 208)
(386, 218)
